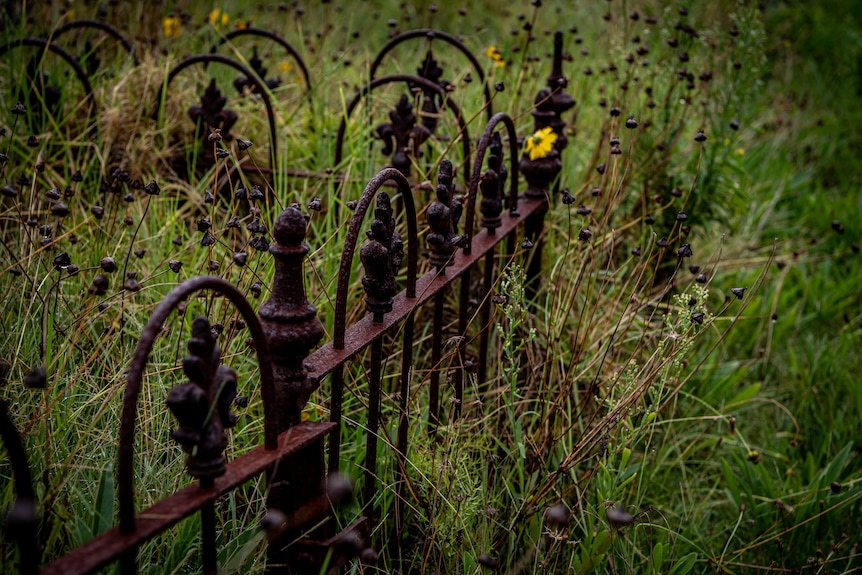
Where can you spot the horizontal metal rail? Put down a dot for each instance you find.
(111, 544)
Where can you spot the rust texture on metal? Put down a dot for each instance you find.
(431, 35)
(419, 83)
(327, 358)
(98, 25)
(108, 546)
(205, 59)
(21, 519)
(402, 136)
(268, 34)
(443, 215)
(134, 380)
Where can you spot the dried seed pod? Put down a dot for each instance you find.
(62, 261)
(18, 109)
(700, 278)
(601, 168)
(526, 243)
(681, 216)
(676, 192)
(837, 226)
(129, 197)
(209, 198)
(649, 220)
(108, 264)
(152, 189)
(700, 136)
(60, 209)
(734, 125)
(619, 517)
(77, 176)
(213, 265)
(175, 265)
(615, 111)
(255, 194)
(239, 194)
(8, 191)
(72, 270)
(314, 205)
(584, 235)
(662, 243)
(33, 142)
(557, 515)
(567, 198)
(221, 153)
(233, 222)
(684, 251)
(36, 378)
(208, 240)
(631, 123)
(255, 289)
(177, 241)
(240, 258)
(140, 253)
(131, 283)
(99, 287)
(53, 194)
(487, 561)
(243, 145)
(204, 224)
(636, 252)
(738, 292)
(697, 318)
(583, 210)
(128, 221)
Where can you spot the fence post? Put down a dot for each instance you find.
(540, 172)
(292, 328)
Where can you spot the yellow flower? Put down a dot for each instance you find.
(218, 19)
(240, 24)
(284, 66)
(494, 54)
(171, 26)
(540, 144)
(740, 152)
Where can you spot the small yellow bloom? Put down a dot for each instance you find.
(494, 54)
(218, 19)
(171, 26)
(727, 141)
(240, 24)
(540, 144)
(285, 66)
(740, 152)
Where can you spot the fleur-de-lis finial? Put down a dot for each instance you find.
(381, 257)
(202, 405)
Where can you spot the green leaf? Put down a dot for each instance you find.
(744, 395)
(684, 565)
(103, 516)
(730, 482)
(657, 557)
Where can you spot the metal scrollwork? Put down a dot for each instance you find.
(381, 257)
(212, 111)
(401, 136)
(443, 215)
(202, 405)
(491, 185)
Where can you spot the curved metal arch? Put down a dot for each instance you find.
(206, 59)
(270, 36)
(473, 187)
(347, 253)
(64, 54)
(104, 27)
(407, 78)
(431, 34)
(25, 498)
(125, 469)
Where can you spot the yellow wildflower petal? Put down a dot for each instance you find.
(492, 52)
(214, 16)
(541, 143)
(284, 66)
(740, 151)
(727, 141)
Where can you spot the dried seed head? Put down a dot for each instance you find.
(684, 251)
(132, 284)
(177, 241)
(526, 243)
(255, 289)
(208, 240)
(583, 210)
(128, 221)
(700, 136)
(8, 191)
(584, 235)
(215, 135)
(619, 517)
(77, 176)
(487, 561)
(662, 243)
(204, 224)
(499, 86)
(152, 189)
(108, 264)
(72, 270)
(18, 109)
(221, 153)
(100, 284)
(676, 192)
(738, 292)
(700, 278)
(255, 194)
(567, 197)
(615, 111)
(53, 194)
(243, 145)
(734, 124)
(837, 226)
(36, 378)
(175, 265)
(314, 205)
(681, 216)
(601, 168)
(239, 194)
(636, 252)
(631, 123)
(46, 230)
(240, 258)
(557, 515)
(140, 253)
(697, 318)
(835, 487)
(209, 198)
(233, 222)
(62, 261)
(649, 220)
(213, 265)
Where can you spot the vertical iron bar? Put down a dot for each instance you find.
(209, 553)
(463, 313)
(373, 426)
(335, 405)
(403, 426)
(436, 348)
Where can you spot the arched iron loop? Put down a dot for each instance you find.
(347, 253)
(431, 34)
(270, 36)
(242, 69)
(473, 187)
(421, 83)
(104, 27)
(22, 518)
(126, 476)
(64, 54)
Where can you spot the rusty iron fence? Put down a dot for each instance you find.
(296, 457)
